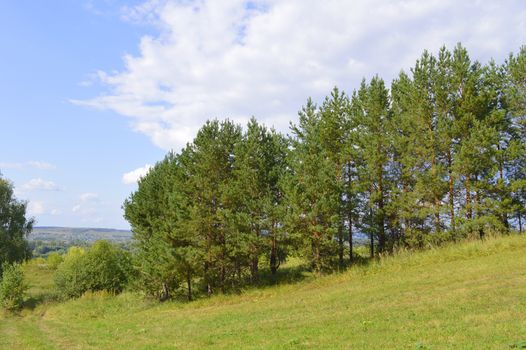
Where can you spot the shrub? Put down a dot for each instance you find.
(70, 274)
(107, 267)
(12, 287)
(53, 260)
(104, 267)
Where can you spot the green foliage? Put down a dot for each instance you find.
(314, 187)
(14, 226)
(165, 244)
(107, 267)
(259, 165)
(70, 275)
(53, 260)
(463, 296)
(12, 287)
(103, 267)
(438, 157)
(208, 214)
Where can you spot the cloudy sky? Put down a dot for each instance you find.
(94, 92)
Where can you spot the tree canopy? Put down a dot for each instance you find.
(14, 226)
(439, 155)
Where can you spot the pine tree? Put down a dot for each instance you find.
(407, 155)
(209, 167)
(371, 110)
(167, 252)
(313, 196)
(444, 96)
(335, 140)
(258, 165)
(474, 135)
(515, 95)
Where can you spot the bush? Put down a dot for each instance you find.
(12, 287)
(104, 267)
(108, 267)
(70, 274)
(54, 259)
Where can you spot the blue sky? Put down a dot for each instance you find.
(49, 49)
(92, 92)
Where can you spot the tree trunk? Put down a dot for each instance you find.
(381, 223)
(351, 257)
(504, 217)
(239, 274)
(437, 199)
(481, 233)
(317, 255)
(438, 226)
(469, 213)
(520, 223)
(404, 221)
(254, 269)
(349, 209)
(371, 235)
(318, 259)
(165, 293)
(223, 277)
(208, 286)
(451, 192)
(479, 212)
(372, 246)
(274, 260)
(501, 171)
(189, 284)
(340, 244)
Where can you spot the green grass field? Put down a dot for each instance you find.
(468, 296)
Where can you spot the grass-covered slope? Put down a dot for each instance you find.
(468, 296)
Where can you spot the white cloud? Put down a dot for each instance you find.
(87, 205)
(38, 208)
(35, 208)
(30, 164)
(264, 58)
(41, 165)
(133, 176)
(40, 185)
(88, 197)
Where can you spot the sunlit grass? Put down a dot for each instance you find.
(464, 296)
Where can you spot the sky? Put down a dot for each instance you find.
(92, 93)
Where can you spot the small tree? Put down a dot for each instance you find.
(54, 259)
(106, 267)
(102, 267)
(12, 287)
(14, 226)
(69, 277)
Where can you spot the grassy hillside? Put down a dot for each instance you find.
(469, 296)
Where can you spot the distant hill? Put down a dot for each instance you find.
(75, 234)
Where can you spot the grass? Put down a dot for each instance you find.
(466, 296)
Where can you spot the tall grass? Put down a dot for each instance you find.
(465, 296)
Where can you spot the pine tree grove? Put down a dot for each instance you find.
(437, 156)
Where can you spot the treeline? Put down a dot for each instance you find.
(439, 156)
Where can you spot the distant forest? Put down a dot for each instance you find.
(437, 157)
